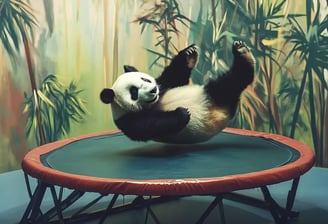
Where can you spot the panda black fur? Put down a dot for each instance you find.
(168, 109)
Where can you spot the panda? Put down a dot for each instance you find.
(169, 110)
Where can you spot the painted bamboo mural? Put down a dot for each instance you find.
(56, 56)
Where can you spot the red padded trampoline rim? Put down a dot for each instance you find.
(33, 166)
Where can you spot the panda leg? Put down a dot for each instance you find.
(178, 72)
(225, 91)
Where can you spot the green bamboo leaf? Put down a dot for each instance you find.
(276, 6)
(13, 34)
(44, 98)
(13, 15)
(64, 131)
(155, 61)
(160, 55)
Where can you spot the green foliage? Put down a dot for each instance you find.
(52, 107)
(211, 40)
(14, 17)
(163, 17)
(277, 38)
(311, 45)
(58, 105)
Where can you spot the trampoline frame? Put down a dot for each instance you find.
(33, 213)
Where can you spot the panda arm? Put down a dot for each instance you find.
(150, 124)
(178, 72)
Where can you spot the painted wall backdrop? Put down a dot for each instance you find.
(56, 56)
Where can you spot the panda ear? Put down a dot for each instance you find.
(107, 96)
(129, 68)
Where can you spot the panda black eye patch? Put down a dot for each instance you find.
(134, 93)
(146, 80)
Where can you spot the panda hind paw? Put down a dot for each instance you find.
(240, 49)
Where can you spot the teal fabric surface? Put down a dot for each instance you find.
(115, 156)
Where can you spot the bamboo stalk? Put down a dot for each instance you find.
(34, 87)
(115, 41)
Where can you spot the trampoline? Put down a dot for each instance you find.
(110, 164)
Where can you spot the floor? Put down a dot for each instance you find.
(311, 201)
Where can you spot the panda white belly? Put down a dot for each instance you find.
(206, 118)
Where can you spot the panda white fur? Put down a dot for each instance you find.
(169, 110)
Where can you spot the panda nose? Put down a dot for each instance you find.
(153, 90)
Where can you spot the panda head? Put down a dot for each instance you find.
(132, 91)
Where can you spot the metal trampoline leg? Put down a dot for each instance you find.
(280, 214)
(57, 204)
(290, 201)
(28, 185)
(33, 209)
(221, 210)
(272, 205)
(216, 201)
(73, 197)
(150, 211)
(109, 208)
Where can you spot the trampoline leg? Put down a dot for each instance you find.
(280, 214)
(272, 205)
(63, 204)
(109, 208)
(290, 201)
(150, 211)
(57, 204)
(217, 201)
(28, 185)
(76, 214)
(33, 209)
(221, 210)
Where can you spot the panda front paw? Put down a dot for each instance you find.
(188, 56)
(190, 50)
(183, 115)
